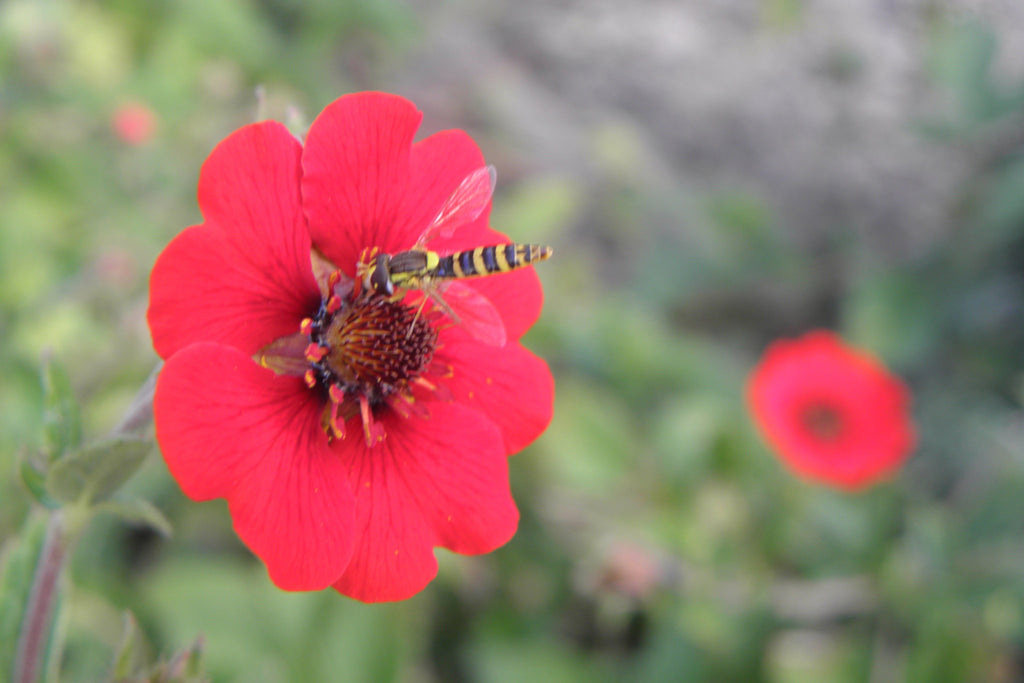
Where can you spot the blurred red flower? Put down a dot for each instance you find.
(134, 123)
(831, 412)
(243, 413)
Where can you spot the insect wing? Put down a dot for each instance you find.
(472, 311)
(463, 206)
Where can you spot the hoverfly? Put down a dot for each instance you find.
(437, 276)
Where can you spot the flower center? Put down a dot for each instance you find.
(365, 351)
(373, 347)
(823, 421)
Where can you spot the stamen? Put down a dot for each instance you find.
(315, 353)
(406, 405)
(373, 431)
(401, 404)
(425, 383)
(442, 370)
(337, 423)
(443, 393)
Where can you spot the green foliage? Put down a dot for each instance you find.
(138, 512)
(93, 473)
(256, 634)
(131, 662)
(62, 428)
(962, 59)
(62, 433)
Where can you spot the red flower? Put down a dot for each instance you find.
(320, 500)
(134, 123)
(831, 412)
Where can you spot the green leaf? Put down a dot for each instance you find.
(138, 511)
(961, 60)
(129, 651)
(133, 660)
(1002, 206)
(186, 664)
(35, 482)
(62, 426)
(964, 59)
(894, 315)
(95, 472)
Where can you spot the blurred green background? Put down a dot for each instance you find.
(711, 176)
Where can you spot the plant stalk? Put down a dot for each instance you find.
(140, 412)
(38, 619)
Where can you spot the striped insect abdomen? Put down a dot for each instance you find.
(498, 258)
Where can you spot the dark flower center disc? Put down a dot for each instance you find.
(823, 421)
(375, 346)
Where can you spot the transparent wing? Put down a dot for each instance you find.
(471, 310)
(463, 206)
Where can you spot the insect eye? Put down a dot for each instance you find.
(380, 278)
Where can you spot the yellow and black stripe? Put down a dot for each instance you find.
(499, 258)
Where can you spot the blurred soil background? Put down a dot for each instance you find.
(712, 175)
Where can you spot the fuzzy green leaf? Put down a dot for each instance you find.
(35, 483)
(62, 427)
(129, 650)
(138, 511)
(95, 472)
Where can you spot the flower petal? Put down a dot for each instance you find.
(438, 165)
(356, 174)
(229, 428)
(517, 296)
(436, 481)
(510, 385)
(242, 278)
(201, 290)
(379, 189)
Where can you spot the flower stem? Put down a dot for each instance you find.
(32, 643)
(140, 411)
